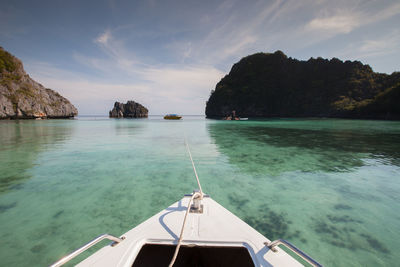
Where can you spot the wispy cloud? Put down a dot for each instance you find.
(171, 62)
(333, 21)
(235, 47)
(166, 89)
(162, 88)
(382, 45)
(232, 34)
(335, 24)
(265, 27)
(115, 49)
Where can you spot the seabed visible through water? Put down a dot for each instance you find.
(330, 186)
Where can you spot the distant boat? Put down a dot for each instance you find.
(172, 117)
(230, 118)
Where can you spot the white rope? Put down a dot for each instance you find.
(194, 169)
(197, 194)
(183, 227)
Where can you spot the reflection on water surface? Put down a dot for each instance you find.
(257, 147)
(329, 186)
(21, 143)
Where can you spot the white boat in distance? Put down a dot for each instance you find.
(195, 231)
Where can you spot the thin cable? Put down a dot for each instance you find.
(194, 169)
(183, 227)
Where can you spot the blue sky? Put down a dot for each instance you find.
(168, 55)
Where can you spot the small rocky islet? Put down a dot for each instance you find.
(23, 98)
(131, 109)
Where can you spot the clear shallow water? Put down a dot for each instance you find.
(332, 187)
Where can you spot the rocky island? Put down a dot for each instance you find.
(129, 110)
(273, 85)
(23, 98)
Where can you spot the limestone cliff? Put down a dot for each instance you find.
(129, 110)
(23, 98)
(273, 85)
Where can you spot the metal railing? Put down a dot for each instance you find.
(87, 246)
(272, 245)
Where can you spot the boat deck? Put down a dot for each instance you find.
(215, 228)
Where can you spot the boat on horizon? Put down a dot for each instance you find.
(172, 117)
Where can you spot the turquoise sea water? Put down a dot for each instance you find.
(331, 187)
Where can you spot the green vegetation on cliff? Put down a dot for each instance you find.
(6, 61)
(273, 85)
(23, 98)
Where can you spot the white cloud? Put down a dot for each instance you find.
(335, 24)
(374, 46)
(115, 49)
(229, 34)
(163, 89)
(186, 84)
(235, 29)
(224, 34)
(235, 47)
(385, 44)
(385, 13)
(333, 21)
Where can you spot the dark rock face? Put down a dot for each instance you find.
(273, 85)
(23, 98)
(129, 110)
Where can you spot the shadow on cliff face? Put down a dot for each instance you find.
(272, 147)
(21, 143)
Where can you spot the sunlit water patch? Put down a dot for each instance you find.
(329, 186)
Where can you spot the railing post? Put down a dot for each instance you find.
(85, 247)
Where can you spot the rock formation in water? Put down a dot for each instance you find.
(23, 98)
(129, 110)
(273, 85)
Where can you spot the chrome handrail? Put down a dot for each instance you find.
(296, 250)
(87, 246)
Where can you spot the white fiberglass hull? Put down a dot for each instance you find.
(215, 227)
